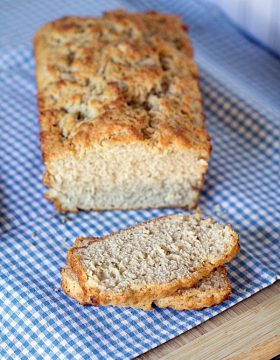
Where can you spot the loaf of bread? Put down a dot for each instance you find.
(209, 291)
(120, 112)
(141, 265)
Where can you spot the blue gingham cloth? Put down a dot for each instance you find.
(240, 83)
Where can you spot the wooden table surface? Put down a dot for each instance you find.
(249, 330)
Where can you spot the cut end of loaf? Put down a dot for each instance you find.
(126, 176)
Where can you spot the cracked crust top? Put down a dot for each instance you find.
(123, 77)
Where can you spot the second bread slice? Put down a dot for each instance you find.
(209, 291)
(151, 260)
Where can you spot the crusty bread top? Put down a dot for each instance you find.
(123, 77)
(171, 250)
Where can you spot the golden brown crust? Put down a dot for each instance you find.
(120, 78)
(196, 303)
(151, 292)
(71, 287)
(194, 298)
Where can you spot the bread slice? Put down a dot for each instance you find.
(151, 260)
(209, 291)
(120, 112)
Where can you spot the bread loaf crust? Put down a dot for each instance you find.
(128, 123)
(116, 80)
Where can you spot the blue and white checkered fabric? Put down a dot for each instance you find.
(240, 84)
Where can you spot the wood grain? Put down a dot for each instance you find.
(249, 330)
